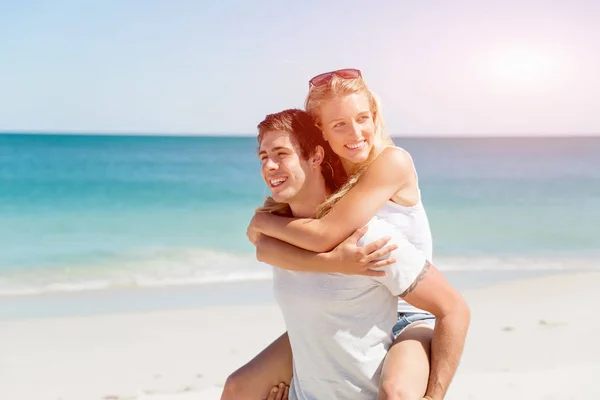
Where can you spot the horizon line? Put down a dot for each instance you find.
(243, 135)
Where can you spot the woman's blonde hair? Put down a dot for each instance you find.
(337, 87)
(273, 207)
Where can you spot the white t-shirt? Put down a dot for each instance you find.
(413, 222)
(340, 326)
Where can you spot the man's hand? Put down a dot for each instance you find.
(350, 259)
(279, 392)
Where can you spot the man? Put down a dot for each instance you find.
(340, 326)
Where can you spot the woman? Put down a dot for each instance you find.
(349, 116)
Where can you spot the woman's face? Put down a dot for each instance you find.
(348, 126)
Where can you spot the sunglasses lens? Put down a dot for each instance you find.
(320, 79)
(348, 73)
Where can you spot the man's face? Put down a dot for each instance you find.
(282, 168)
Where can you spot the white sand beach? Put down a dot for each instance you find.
(529, 339)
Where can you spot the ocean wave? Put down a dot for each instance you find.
(141, 269)
(153, 268)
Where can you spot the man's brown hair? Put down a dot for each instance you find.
(305, 136)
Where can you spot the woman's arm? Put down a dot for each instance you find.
(390, 172)
(348, 257)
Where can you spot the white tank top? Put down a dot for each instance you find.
(413, 222)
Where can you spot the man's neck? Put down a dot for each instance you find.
(306, 203)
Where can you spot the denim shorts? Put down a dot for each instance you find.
(412, 318)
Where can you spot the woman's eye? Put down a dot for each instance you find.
(338, 124)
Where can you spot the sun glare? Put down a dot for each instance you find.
(520, 67)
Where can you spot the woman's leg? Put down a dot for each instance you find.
(406, 368)
(269, 368)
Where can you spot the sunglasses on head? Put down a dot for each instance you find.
(321, 79)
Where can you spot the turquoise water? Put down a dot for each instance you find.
(95, 212)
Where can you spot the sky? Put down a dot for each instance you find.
(477, 67)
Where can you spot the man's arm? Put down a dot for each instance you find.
(419, 282)
(431, 291)
(347, 258)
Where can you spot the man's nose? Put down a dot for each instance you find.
(271, 165)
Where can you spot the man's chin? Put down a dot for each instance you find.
(281, 197)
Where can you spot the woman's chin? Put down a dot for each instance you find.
(352, 158)
(358, 157)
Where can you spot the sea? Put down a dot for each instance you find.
(106, 223)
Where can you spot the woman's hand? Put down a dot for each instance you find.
(253, 230)
(351, 259)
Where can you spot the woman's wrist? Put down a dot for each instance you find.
(261, 222)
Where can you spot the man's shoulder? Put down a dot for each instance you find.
(376, 229)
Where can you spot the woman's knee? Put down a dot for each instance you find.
(234, 387)
(406, 368)
(391, 389)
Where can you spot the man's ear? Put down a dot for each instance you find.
(317, 158)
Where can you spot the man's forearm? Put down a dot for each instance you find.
(446, 349)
